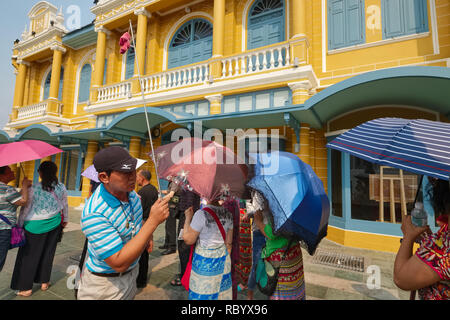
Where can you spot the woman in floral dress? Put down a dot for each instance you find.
(429, 269)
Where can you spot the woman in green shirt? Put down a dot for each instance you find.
(291, 282)
(42, 218)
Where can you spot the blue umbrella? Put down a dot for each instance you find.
(419, 146)
(296, 197)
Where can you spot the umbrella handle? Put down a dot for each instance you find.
(23, 171)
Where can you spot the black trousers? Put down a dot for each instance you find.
(34, 260)
(143, 268)
(183, 249)
(171, 228)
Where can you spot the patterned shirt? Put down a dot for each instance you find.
(8, 196)
(108, 225)
(435, 252)
(45, 205)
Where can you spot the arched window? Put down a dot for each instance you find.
(266, 23)
(85, 83)
(47, 85)
(129, 67)
(191, 43)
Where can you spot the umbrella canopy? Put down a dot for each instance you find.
(92, 174)
(419, 146)
(296, 197)
(204, 167)
(27, 150)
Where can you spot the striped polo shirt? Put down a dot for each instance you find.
(104, 222)
(8, 196)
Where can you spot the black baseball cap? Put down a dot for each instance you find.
(114, 158)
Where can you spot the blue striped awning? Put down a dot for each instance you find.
(419, 146)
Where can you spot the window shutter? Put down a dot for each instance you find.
(129, 71)
(104, 71)
(336, 23)
(415, 16)
(354, 22)
(393, 18)
(85, 83)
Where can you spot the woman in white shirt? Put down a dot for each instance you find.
(42, 218)
(211, 262)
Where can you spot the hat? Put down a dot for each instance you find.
(114, 158)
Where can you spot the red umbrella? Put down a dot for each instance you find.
(205, 167)
(27, 150)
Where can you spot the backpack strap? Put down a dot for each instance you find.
(219, 224)
(6, 220)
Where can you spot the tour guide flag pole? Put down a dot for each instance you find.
(145, 108)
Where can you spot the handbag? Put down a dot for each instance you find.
(187, 273)
(267, 273)
(17, 234)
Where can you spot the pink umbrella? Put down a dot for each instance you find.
(205, 167)
(27, 150)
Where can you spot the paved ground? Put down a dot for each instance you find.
(322, 282)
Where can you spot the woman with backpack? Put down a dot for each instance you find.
(43, 219)
(211, 228)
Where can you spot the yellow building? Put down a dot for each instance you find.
(310, 69)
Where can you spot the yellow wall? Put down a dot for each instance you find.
(371, 241)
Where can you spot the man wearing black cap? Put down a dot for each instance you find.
(117, 236)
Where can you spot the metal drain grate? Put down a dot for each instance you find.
(339, 260)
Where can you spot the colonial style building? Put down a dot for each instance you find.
(309, 68)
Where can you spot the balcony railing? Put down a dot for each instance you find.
(176, 78)
(114, 92)
(32, 111)
(270, 58)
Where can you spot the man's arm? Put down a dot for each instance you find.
(122, 260)
(22, 202)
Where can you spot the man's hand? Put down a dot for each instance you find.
(189, 213)
(160, 209)
(26, 183)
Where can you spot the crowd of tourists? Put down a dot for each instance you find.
(119, 224)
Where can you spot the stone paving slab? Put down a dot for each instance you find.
(322, 282)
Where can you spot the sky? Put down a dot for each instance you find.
(13, 18)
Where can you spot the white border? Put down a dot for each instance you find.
(49, 69)
(78, 74)
(175, 28)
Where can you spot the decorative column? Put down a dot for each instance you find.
(304, 153)
(312, 149)
(215, 103)
(135, 147)
(321, 158)
(92, 149)
(141, 39)
(299, 48)
(99, 67)
(299, 21)
(218, 37)
(300, 91)
(153, 46)
(20, 86)
(53, 104)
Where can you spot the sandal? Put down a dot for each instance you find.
(45, 286)
(176, 282)
(25, 293)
